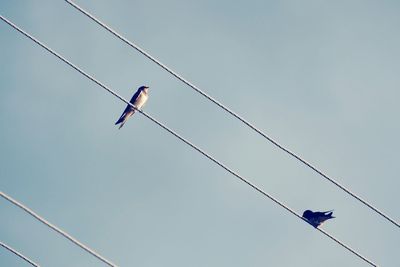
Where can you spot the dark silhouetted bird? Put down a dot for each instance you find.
(317, 218)
(138, 100)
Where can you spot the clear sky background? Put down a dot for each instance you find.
(321, 77)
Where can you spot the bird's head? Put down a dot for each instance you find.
(144, 88)
(307, 214)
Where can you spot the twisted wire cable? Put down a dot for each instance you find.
(55, 228)
(31, 262)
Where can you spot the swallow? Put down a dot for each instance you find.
(317, 218)
(138, 100)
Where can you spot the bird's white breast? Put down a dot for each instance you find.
(141, 100)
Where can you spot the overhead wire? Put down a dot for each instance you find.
(52, 226)
(163, 126)
(231, 112)
(19, 254)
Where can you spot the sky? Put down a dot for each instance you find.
(319, 77)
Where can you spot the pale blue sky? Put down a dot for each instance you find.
(321, 77)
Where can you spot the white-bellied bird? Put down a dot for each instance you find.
(138, 100)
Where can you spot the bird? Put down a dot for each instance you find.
(318, 217)
(138, 100)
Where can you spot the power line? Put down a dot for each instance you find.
(31, 262)
(231, 112)
(52, 226)
(183, 139)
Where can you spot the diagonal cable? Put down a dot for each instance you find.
(31, 262)
(231, 112)
(183, 139)
(52, 226)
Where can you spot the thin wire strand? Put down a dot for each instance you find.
(231, 112)
(185, 141)
(31, 262)
(52, 226)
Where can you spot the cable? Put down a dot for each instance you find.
(251, 126)
(55, 228)
(183, 139)
(31, 262)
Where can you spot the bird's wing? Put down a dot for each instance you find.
(321, 213)
(328, 213)
(135, 96)
(128, 107)
(323, 216)
(126, 111)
